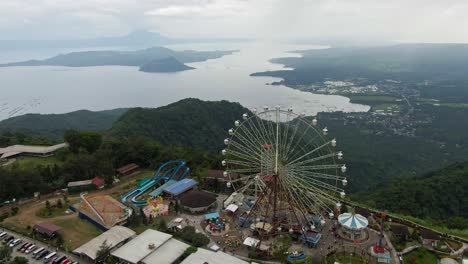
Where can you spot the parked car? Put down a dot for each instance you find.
(58, 260)
(65, 261)
(26, 244)
(51, 260)
(15, 242)
(3, 234)
(30, 249)
(50, 257)
(42, 254)
(38, 251)
(8, 239)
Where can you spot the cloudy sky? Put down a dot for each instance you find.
(390, 20)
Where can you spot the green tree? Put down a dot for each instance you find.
(162, 226)
(14, 210)
(19, 260)
(5, 254)
(59, 203)
(48, 207)
(104, 251)
(72, 137)
(280, 246)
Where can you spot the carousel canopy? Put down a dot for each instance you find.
(353, 221)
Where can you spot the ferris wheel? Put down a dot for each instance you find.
(283, 169)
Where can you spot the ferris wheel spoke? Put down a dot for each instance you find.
(302, 199)
(299, 141)
(244, 170)
(320, 184)
(251, 146)
(319, 158)
(311, 152)
(317, 175)
(241, 155)
(241, 163)
(256, 137)
(302, 184)
(322, 167)
(247, 150)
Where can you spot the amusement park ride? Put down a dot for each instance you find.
(285, 174)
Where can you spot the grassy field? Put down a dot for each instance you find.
(421, 256)
(76, 231)
(31, 162)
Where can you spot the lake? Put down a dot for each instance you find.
(50, 89)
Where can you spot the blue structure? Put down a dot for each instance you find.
(160, 189)
(211, 216)
(311, 238)
(165, 172)
(180, 187)
(296, 257)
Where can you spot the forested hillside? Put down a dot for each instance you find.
(54, 125)
(189, 122)
(438, 195)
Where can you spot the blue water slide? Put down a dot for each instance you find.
(158, 176)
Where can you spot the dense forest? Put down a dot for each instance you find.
(439, 195)
(189, 122)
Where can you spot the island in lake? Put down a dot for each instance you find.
(156, 59)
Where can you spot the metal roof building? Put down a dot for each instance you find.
(160, 189)
(14, 150)
(151, 247)
(113, 238)
(181, 187)
(207, 256)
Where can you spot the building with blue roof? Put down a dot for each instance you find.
(180, 187)
(157, 192)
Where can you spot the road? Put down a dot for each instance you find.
(39, 244)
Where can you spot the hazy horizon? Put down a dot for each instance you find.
(361, 21)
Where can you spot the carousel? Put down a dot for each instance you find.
(353, 226)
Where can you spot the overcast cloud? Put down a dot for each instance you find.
(394, 20)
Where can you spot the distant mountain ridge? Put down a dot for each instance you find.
(54, 125)
(136, 39)
(142, 58)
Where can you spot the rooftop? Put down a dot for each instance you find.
(141, 246)
(207, 256)
(428, 234)
(18, 149)
(160, 189)
(400, 230)
(196, 199)
(128, 168)
(112, 237)
(79, 183)
(181, 186)
(167, 253)
(46, 228)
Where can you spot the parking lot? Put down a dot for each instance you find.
(38, 245)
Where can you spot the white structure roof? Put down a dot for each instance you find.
(203, 255)
(113, 237)
(167, 253)
(232, 207)
(18, 149)
(141, 246)
(251, 242)
(353, 221)
(80, 183)
(448, 261)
